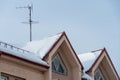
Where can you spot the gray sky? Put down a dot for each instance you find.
(89, 24)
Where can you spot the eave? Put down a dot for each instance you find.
(23, 59)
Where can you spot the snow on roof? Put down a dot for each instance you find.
(41, 47)
(12, 50)
(86, 76)
(89, 58)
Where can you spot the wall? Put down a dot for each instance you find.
(69, 75)
(17, 69)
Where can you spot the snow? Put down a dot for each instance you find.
(33, 51)
(41, 47)
(86, 76)
(88, 59)
(17, 52)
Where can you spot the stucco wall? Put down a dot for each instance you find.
(71, 70)
(16, 69)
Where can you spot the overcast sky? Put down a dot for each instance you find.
(89, 24)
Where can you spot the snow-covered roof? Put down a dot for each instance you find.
(89, 58)
(12, 50)
(41, 47)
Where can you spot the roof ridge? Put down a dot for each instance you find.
(42, 46)
(97, 50)
(91, 51)
(56, 34)
(49, 36)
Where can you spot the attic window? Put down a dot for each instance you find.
(58, 66)
(4, 78)
(98, 75)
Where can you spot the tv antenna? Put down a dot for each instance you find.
(30, 22)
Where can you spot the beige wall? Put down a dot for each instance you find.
(17, 69)
(68, 76)
(73, 72)
(107, 71)
(106, 68)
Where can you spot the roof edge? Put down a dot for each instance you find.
(111, 63)
(75, 53)
(62, 33)
(90, 69)
(0, 53)
(42, 65)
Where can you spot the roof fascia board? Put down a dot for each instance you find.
(74, 52)
(111, 62)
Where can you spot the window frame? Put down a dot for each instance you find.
(9, 76)
(4, 77)
(99, 74)
(58, 57)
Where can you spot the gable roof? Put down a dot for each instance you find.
(90, 59)
(10, 50)
(42, 48)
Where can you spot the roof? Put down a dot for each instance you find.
(21, 54)
(41, 47)
(89, 58)
(36, 51)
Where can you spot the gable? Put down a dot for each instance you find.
(68, 59)
(69, 51)
(101, 61)
(89, 58)
(107, 68)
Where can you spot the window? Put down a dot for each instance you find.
(58, 66)
(5, 76)
(98, 75)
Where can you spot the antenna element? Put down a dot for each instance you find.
(29, 7)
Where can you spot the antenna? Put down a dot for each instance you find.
(29, 7)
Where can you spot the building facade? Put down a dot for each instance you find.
(53, 58)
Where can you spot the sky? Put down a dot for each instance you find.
(89, 24)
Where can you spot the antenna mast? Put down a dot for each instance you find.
(30, 21)
(29, 7)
